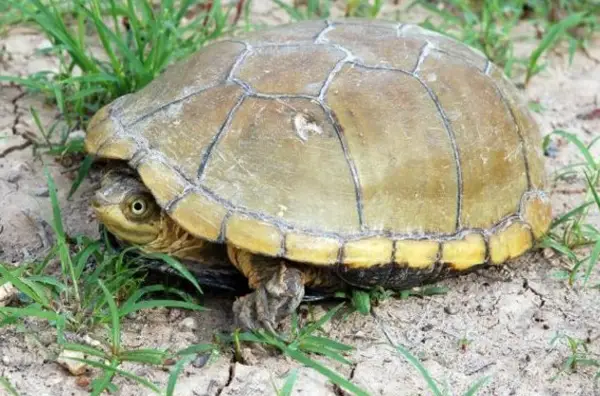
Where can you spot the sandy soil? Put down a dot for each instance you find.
(481, 327)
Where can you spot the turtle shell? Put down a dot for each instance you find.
(327, 142)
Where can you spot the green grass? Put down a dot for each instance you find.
(431, 383)
(321, 9)
(571, 232)
(489, 26)
(579, 355)
(133, 41)
(92, 287)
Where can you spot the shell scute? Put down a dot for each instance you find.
(282, 158)
(369, 45)
(267, 70)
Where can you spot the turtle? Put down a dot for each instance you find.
(324, 155)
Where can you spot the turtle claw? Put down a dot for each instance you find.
(271, 301)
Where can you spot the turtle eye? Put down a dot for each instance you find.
(138, 207)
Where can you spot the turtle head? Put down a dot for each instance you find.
(129, 211)
(127, 208)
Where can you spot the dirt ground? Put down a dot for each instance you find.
(481, 327)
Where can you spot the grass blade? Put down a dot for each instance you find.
(288, 386)
(5, 383)
(473, 389)
(327, 372)
(175, 373)
(417, 364)
(114, 314)
(550, 38)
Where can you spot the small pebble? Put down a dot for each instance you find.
(5, 360)
(77, 135)
(449, 310)
(201, 360)
(41, 192)
(83, 381)
(44, 45)
(75, 367)
(16, 173)
(188, 323)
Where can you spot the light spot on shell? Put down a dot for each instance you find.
(304, 124)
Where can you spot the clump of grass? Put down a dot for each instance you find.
(93, 286)
(363, 300)
(431, 383)
(489, 25)
(321, 9)
(299, 343)
(579, 356)
(571, 231)
(110, 48)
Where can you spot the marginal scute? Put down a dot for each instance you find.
(510, 242)
(118, 148)
(99, 130)
(311, 249)
(160, 178)
(199, 215)
(368, 252)
(253, 235)
(465, 252)
(536, 210)
(416, 253)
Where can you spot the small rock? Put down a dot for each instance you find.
(75, 367)
(449, 310)
(41, 192)
(5, 360)
(188, 323)
(91, 342)
(7, 294)
(76, 135)
(44, 45)
(83, 381)
(15, 174)
(201, 360)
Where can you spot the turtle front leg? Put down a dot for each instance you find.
(278, 290)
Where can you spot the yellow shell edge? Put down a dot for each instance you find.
(510, 242)
(199, 215)
(536, 210)
(416, 254)
(253, 235)
(117, 148)
(164, 183)
(311, 249)
(464, 253)
(368, 252)
(100, 129)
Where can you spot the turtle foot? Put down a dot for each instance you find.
(272, 301)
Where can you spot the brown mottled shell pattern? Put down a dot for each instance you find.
(325, 142)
